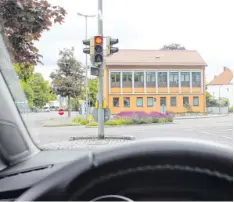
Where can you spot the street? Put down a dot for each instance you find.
(218, 129)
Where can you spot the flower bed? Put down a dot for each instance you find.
(133, 118)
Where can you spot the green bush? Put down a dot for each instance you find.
(169, 119)
(141, 120)
(76, 120)
(161, 120)
(128, 122)
(113, 122)
(121, 121)
(93, 123)
(84, 121)
(155, 120)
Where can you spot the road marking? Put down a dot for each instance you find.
(230, 129)
(206, 133)
(227, 137)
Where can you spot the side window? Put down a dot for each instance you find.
(139, 102)
(126, 101)
(173, 101)
(116, 102)
(196, 101)
(150, 101)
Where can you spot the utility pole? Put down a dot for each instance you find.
(86, 62)
(100, 78)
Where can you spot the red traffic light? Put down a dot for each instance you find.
(98, 40)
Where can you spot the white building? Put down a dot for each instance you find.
(222, 85)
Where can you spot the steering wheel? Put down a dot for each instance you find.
(160, 169)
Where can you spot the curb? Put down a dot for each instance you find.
(65, 125)
(200, 117)
(122, 126)
(106, 138)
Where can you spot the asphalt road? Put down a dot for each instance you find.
(218, 129)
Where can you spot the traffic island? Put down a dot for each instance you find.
(89, 142)
(107, 137)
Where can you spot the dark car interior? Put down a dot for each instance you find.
(161, 169)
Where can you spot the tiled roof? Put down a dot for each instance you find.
(156, 57)
(224, 78)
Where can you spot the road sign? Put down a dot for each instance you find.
(61, 112)
(107, 114)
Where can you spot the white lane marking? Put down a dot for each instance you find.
(230, 129)
(206, 133)
(227, 137)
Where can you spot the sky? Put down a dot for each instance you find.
(202, 25)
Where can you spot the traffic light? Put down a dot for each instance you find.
(90, 49)
(109, 45)
(98, 49)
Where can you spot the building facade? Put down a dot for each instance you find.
(222, 85)
(149, 80)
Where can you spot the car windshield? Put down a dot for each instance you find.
(85, 75)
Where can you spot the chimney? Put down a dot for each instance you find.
(224, 68)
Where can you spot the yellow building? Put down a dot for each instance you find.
(152, 80)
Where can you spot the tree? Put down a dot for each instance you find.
(67, 81)
(23, 22)
(173, 46)
(51, 95)
(28, 92)
(93, 90)
(41, 89)
(24, 72)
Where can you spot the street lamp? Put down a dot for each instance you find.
(86, 61)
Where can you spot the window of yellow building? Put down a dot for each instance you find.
(173, 101)
(126, 101)
(116, 102)
(115, 79)
(162, 79)
(150, 101)
(139, 101)
(185, 79)
(174, 79)
(150, 79)
(195, 101)
(138, 79)
(127, 79)
(196, 79)
(185, 100)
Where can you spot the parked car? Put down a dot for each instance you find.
(46, 109)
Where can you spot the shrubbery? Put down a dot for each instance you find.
(130, 118)
(84, 122)
(93, 123)
(76, 120)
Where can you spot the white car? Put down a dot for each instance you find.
(46, 109)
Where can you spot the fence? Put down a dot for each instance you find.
(217, 110)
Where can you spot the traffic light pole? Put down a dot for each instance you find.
(86, 71)
(100, 78)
